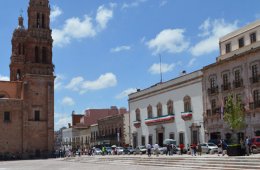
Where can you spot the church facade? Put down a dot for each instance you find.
(27, 100)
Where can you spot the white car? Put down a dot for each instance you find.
(119, 150)
(97, 151)
(208, 147)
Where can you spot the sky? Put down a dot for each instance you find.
(104, 50)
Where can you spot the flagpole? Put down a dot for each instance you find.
(160, 66)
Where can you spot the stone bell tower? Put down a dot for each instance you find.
(31, 63)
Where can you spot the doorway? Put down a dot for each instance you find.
(160, 139)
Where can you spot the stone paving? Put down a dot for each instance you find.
(137, 162)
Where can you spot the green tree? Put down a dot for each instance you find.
(234, 114)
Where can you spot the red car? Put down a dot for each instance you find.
(255, 144)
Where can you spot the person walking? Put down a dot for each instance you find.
(156, 149)
(168, 150)
(219, 147)
(181, 148)
(247, 146)
(199, 149)
(149, 147)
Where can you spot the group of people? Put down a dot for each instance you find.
(246, 146)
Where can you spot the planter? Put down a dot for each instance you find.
(235, 150)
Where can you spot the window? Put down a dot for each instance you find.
(150, 139)
(37, 115)
(44, 55)
(137, 114)
(257, 98)
(228, 48)
(187, 104)
(38, 21)
(150, 112)
(254, 71)
(143, 140)
(20, 49)
(7, 117)
(159, 109)
(213, 105)
(253, 37)
(225, 82)
(170, 107)
(36, 51)
(237, 75)
(241, 42)
(212, 83)
(43, 21)
(171, 136)
(181, 138)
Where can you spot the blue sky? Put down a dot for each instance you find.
(104, 50)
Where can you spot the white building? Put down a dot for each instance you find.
(173, 109)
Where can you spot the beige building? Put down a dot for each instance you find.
(236, 72)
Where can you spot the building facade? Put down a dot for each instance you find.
(27, 101)
(235, 73)
(173, 109)
(114, 130)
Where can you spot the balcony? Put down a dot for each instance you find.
(213, 90)
(186, 115)
(225, 87)
(255, 79)
(159, 120)
(238, 83)
(137, 123)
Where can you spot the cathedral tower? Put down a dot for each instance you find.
(31, 64)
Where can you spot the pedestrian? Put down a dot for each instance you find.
(247, 146)
(224, 147)
(149, 147)
(156, 149)
(168, 150)
(219, 147)
(199, 149)
(181, 148)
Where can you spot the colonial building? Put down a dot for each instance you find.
(236, 72)
(27, 101)
(114, 130)
(168, 110)
(84, 132)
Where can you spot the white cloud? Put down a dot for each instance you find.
(4, 78)
(82, 86)
(191, 62)
(169, 40)
(163, 3)
(75, 83)
(61, 120)
(58, 82)
(79, 28)
(120, 48)
(156, 69)
(212, 30)
(67, 101)
(125, 93)
(104, 81)
(55, 12)
(135, 3)
(103, 16)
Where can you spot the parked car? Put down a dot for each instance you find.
(140, 150)
(120, 150)
(129, 150)
(255, 147)
(97, 151)
(208, 147)
(108, 150)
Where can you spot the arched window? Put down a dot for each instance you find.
(149, 112)
(43, 21)
(159, 109)
(38, 21)
(18, 75)
(37, 58)
(187, 104)
(170, 107)
(137, 115)
(44, 55)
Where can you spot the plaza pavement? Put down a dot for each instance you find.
(138, 162)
